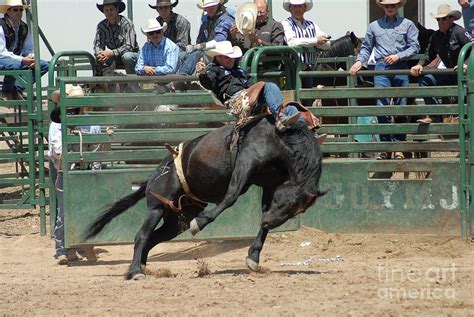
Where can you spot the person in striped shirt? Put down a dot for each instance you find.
(115, 40)
(159, 56)
(300, 32)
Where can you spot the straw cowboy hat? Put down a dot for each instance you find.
(121, 5)
(71, 91)
(12, 3)
(225, 48)
(208, 3)
(286, 4)
(445, 10)
(153, 25)
(246, 17)
(164, 3)
(381, 3)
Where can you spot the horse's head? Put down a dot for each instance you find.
(343, 46)
(424, 36)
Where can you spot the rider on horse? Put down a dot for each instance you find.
(229, 82)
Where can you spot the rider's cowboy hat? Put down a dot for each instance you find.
(164, 3)
(286, 4)
(71, 91)
(12, 3)
(208, 3)
(225, 48)
(445, 10)
(153, 25)
(246, 17)
(121, 5)
(381, 3)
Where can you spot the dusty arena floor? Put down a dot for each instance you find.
(304, 273)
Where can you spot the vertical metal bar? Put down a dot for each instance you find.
(270, 9)
(39, 118)
(130, 9)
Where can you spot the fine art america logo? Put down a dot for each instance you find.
(415, 283)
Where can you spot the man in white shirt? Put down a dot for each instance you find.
(16, 47)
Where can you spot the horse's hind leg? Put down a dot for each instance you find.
(141, 239)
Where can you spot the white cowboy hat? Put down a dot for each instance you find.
(164, 3)
(286, 4)
(154, 25)
(246, 17)
(71, 91)
(208, 3)
(381, 3)
(12, 3)
(445, 10)
(225, 48)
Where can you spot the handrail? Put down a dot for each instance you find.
(58, 55)
(465, 126)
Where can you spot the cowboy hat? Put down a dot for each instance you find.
(71, 91)
(153, 25)
(121, 5)
(12, 3)
(225, 48)
(246, 17)
(208, 3)
(381, 3)
(445, 10)
(286, 4)
(164, 3)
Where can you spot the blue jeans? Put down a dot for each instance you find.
(274, 99)
(391, 81)
(189, 64)
(57, 179)
(436, 80)
(128, 61)
(468, 17)
(9, 82)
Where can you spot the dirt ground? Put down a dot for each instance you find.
(304, 273)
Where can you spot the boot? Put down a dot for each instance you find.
(284, 122)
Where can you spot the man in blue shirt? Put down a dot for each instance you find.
(394, 40)
(216, 25)
(468, 14)
(159, 56)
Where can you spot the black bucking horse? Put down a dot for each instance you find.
(286, 165)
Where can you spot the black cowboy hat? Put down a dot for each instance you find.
(164, 3)
(121, 5)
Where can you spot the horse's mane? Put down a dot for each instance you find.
(305, 157)
(343, 46)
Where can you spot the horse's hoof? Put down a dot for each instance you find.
(138, 277)
(251, 264)
(193, 226)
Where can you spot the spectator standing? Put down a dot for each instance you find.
(394, 40)
(446, 43)
(16, 47)
(65, 255)
(115, 42)
(468, 14)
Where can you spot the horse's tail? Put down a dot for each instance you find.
(116, 209)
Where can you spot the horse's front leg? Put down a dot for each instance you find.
(141, 239)
(236, 185)
(253, 257)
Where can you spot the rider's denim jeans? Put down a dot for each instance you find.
(189, 64)
(273, 98)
